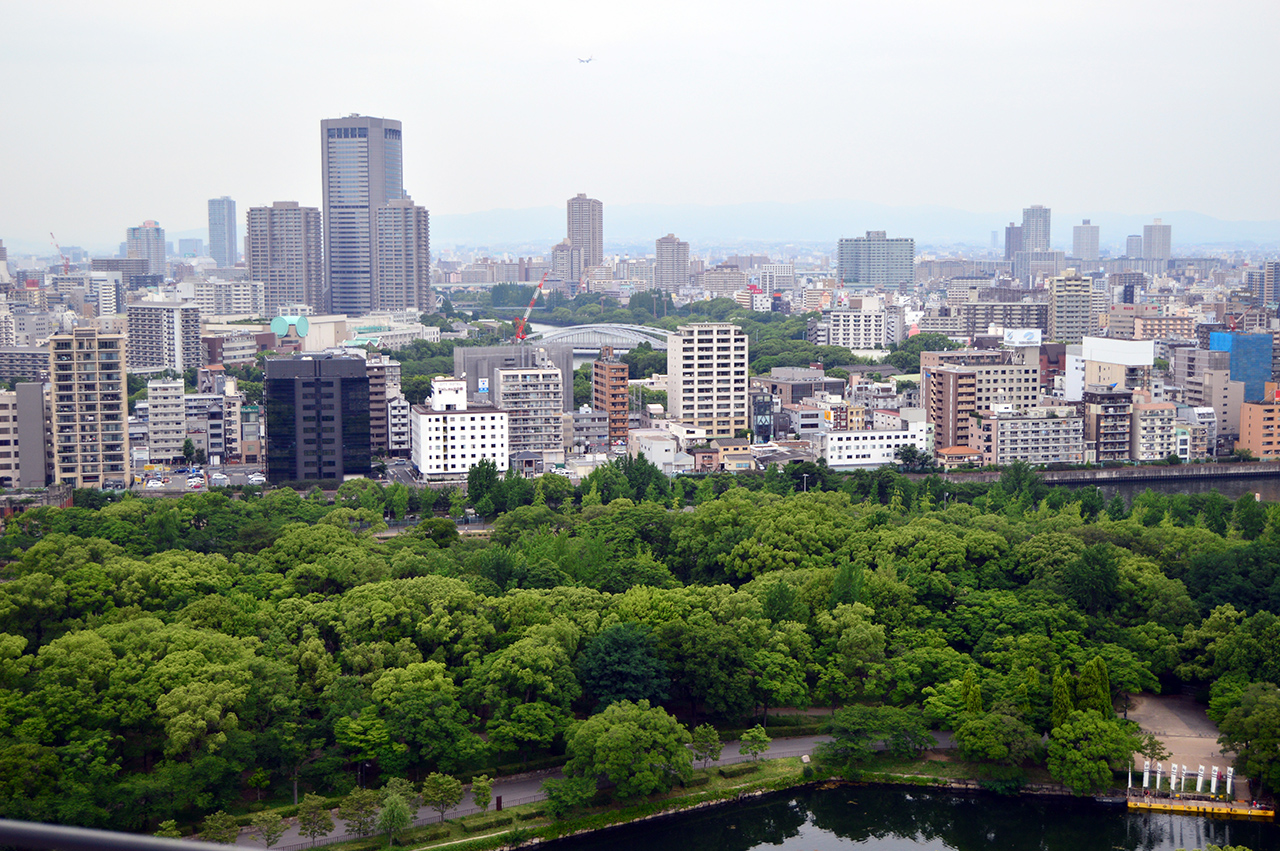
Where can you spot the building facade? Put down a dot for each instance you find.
(317, 417)
(1071, 316)
(403, 270)
(284, 249)
(361, 162)
(90, 409)
(166, 420)
(707, 377)
(875, 260)
(164, 335)
(1157, 241)
(585, 219)
(1035, 436)
(450, 436)
(671, 267)
(1035, 228)
(610, 392)
(1084, 241)
(223, 246)
(146, 242)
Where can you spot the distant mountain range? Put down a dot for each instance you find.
(819, 222)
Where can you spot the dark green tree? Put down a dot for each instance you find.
(621, 663)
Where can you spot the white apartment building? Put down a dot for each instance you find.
(399, 439)
(164, 335)
(707, 377)
(10, 474)
(230, 298)
(1034, 436)
(847, 450)
(166, 419)
(855, 329)
(90, 408)
(1152, 436)
(448, 438)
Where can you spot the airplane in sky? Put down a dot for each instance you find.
(588, 59)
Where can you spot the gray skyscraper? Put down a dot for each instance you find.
(1084, 241)
(284, 248)
(403, 269)
(1133, 245)
(1012, 240)
(1156, 241)
(361, 165)
(586, 228)
(222, 231)
(147, 243)
(671, 268)
(1035, 228)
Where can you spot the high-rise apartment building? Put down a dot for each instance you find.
(284, 249)
(566, 262)
(875, 260)
(147, 242)
(1035, 228)
(166, 419)
(402, 277)
(707, 377)
(671, 267)
(222, 232)
(1270, 292)
(1084, 241)
(1156, 241)
(1071, 315)
(1133, 246)
(361, 166)
(1012, 240)
(610, 392)
(34, 432)
(164, 335)
(586, 228)
(317, 414)
(90, 408)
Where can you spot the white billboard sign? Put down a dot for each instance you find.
(1022, 337)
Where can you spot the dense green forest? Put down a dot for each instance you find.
(165, 658)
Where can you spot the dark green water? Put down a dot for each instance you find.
(885, 818)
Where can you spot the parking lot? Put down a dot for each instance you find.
(149, 483)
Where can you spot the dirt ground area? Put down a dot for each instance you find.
(1184, 728)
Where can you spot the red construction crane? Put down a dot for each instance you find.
(1236, 320)
(522, 326)
(66, 261)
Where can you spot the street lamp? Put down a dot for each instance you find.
(805, 476)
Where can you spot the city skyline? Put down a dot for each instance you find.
(776, 70)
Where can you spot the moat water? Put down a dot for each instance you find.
(850, 817)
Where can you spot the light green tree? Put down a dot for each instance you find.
(639, 747)
(219, 827)
(441, 792)
(482, 791)
(1086, 748)
(754, 742)
(169, 830)
(395, 817)
(707, 746)
(359, 811)
(270, 826)
(314, 818)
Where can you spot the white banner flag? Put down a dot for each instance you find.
(1231, 776)
(1213, 781)
(1146, 774)
(1200, 780)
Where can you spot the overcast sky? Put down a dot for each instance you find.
(116, 112)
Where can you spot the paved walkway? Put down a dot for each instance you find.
(522, 790)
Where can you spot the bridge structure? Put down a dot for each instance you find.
(589, 338)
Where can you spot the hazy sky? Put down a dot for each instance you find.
(115, 112)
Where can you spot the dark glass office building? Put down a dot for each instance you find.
(317, 412)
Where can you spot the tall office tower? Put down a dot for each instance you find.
(1156, 240)
(995, 240)
(222, 232)
(164, 335)
(1133, 246)
(361, 165)
(147, 242)
(1084, 241)
(874, 260)
(707, 377)
(586, 228)
(90, 413)
(1035, 228)
(566, 262)
(1012, 240)
(188, 248)
(1070, 308)
(671, 268)
(402, 273)
(284, 248)
(317, 413)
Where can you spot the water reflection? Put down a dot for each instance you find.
(897, 820)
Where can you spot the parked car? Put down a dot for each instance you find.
(219, 480)
(154, 483)
(257, 479)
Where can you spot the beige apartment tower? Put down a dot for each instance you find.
(284, 249)
(707, 377)
(90, 409)
(586, 228)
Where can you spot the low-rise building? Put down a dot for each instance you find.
(1035, 436)
(1259, 431)
(847, 450)
(450, 437)
(1151, 434)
